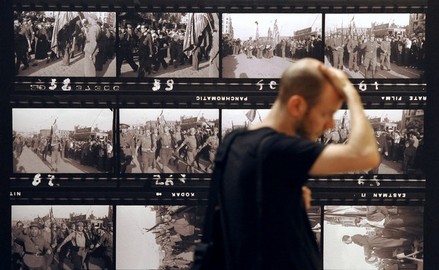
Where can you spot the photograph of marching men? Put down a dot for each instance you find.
(378, 45)
(157, 237)
(168, 140)
(62, 140)
(63, 237)
(65, 43)
(168, 45)
(373, 237)
(263, 45)
(399, 135)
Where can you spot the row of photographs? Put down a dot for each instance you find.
(216, 45)
(139, 237)
(179, 141)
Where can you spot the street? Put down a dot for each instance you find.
(55, 68)
(30, 162)
(239, 66)
(184, 71)
(396, 72)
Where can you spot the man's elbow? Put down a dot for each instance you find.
(372, 158)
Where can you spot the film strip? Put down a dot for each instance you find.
(170, 232)
(165, 60)
(238, 89)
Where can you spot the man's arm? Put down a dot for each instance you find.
(360, 152)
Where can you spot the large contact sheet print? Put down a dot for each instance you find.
(116, 111)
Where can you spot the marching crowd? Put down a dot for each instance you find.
(96, 152)
(156, 148)
(371, 53)
(293, 48)
(38, 38)
(52, 245)
(150, 46)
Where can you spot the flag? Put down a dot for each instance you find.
(195, 33)
(251, 114)
(276, 34)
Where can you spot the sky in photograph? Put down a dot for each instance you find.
(136, 248)
(30, 212)
(33, 120)
(333, 21)
(244, 25)
(141, 116)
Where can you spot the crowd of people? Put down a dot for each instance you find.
(97, 152)
(370, 54)
(292, 48)
(158, 147)
(54, 245)
(39, 37)
(403, 147)
(148, 46)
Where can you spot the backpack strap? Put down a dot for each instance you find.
(204, 249)
(259, 199)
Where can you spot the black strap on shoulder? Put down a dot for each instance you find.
(259, 189)
(213, 208)
(220, 161)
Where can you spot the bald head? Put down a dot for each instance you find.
(303, 78)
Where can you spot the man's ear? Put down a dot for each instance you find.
(297, 106)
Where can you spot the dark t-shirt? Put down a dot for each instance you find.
(287, 240)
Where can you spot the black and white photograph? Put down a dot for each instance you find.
(232, 119)
(65, 43)
(175, 45)
(168, 140)
(157, 237)
(263, 45)
(62, 140)
(64, 237)
(399, 135)
(373, 237)
(377, 45)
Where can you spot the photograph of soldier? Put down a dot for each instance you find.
(399, 138)
(62, 140)
(65, 43)
(168, 140)
(263, 45)
(41, 234)
(373, 237)
(376, 46)
(168, 45)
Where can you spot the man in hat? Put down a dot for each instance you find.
(80, 243)
(126, 147)
(191, 143)
(35, 247)
(126, 42)
(385, 53)
(165, 152)
(147, 148)
(337, 46)
(370, 47)
(106, 241)
(352, 48)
